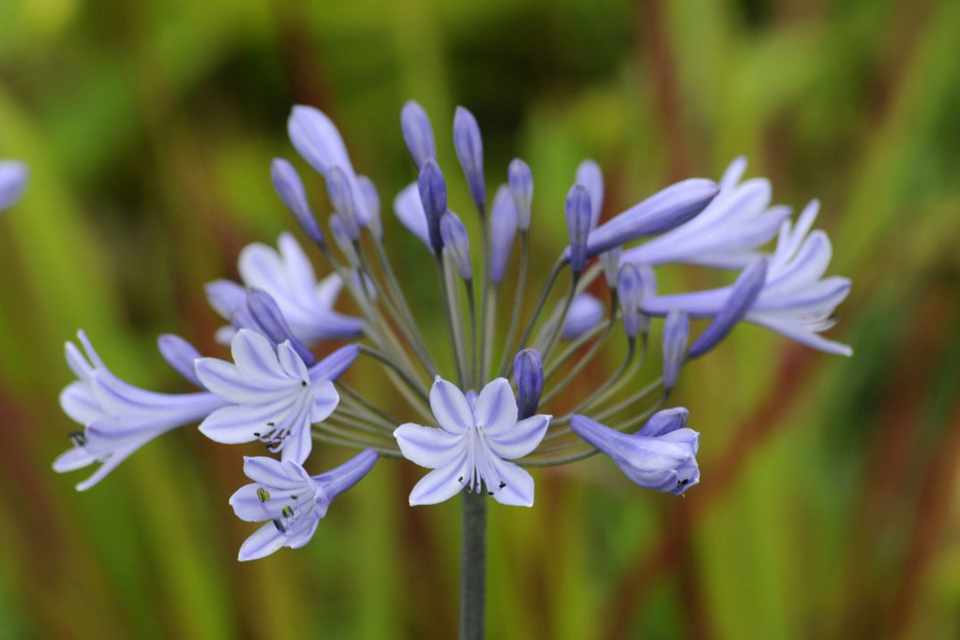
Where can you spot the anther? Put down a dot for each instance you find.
(287, 512)
(279, 526)
(263, 494)
(79, 438)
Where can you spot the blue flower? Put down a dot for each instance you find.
(13, 180)
(288, 277)
(271, 396)
(292, 501)
(118, 418)
(471, 448)
(661, 456)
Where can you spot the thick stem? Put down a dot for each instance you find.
(473, 566)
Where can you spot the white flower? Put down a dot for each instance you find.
(471, 449)
(273, 397)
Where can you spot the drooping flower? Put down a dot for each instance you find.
(292, 501)
(795, 301)
(726, 234)
(118, 418)
(271, 396)
(13, 180)
(289, 279)
(586, 312)
(661, 455)
(476, 438)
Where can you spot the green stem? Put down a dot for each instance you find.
(473, 565)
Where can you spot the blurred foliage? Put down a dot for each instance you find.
(829, 504)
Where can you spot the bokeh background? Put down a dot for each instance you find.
(829, 506)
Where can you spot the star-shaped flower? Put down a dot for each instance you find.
(292, 501)
(471, 449)
(273, 397)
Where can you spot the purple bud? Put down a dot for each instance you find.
(676, 330)
(611, 266)
(180, 355)
(666, 421)
(287, 183)
(457, 243)
(265, 312)
(742, 296)
(433, 196)
(417, 133)
(339, 232)
(503, 230)
(521, 187)
(528, 377)
(578, 225)
(590, 176)
(371, 204)
(469, 146)
(660, 212)
(341, 197)
(13, 180)
(630, 291)
(339, 479)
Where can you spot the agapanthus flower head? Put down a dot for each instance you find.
(661, 456)
(472, 445)
(117, 418)
(13, 180)
(291, 501)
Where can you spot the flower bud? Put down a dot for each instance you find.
(742, 296)
(417, 133)
(266, 313)
(456, 243)
(469, 146)
(341, 197)
(528, 378)
(611, 266)
(287, 183)
(521, 188)
(578, 225)
(503, 230)
(630, 290)
(676, 331)
(371, 204)
(590, 176)
(585, 313)
(433, 197)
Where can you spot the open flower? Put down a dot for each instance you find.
(471, 449)
(13, 179)
(289, 278)
(271, 395)
(795, 301)
(118, 418)
(726, 234)
(292, 501)
(661, 456)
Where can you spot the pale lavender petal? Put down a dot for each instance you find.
(325, 401)
(225, 297)
(428, 447)
(291, 363)
(518, 484)
(224, 379)
(266, 540)
(585, 313)
(345, 476)
(333, 366)
(450, 407)
(496, 408)
(255, 357)
(271, 473)
(317, 139)
(742, 296)
(73, 459)
(78, 402)
(440, 484)
(236, 424)
(733, 173)
(521, 439)
(180, 355)
(409, 210)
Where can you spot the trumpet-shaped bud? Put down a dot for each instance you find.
(503, 231)
(528, 378)
(457, 243)
(287, 183)
(578, 226)
(433, 197)
(676, 331)
(271, 323)
(371, 203)
(521, 188)
(417, 133)
(469, 145)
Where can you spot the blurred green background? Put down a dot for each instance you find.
(829, 506)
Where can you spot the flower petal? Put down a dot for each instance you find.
(496, 408)
(428, 447)
(521, 439)
(72, 459)
(224, 379)
(441, 484)
(78, 402)
(325, 401)
(236, 424)
(450, 407)
(263, 542)
(255, 356)
(271, 473)
(518, 484)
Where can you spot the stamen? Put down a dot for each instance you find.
(79, 438)
(280, 526)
